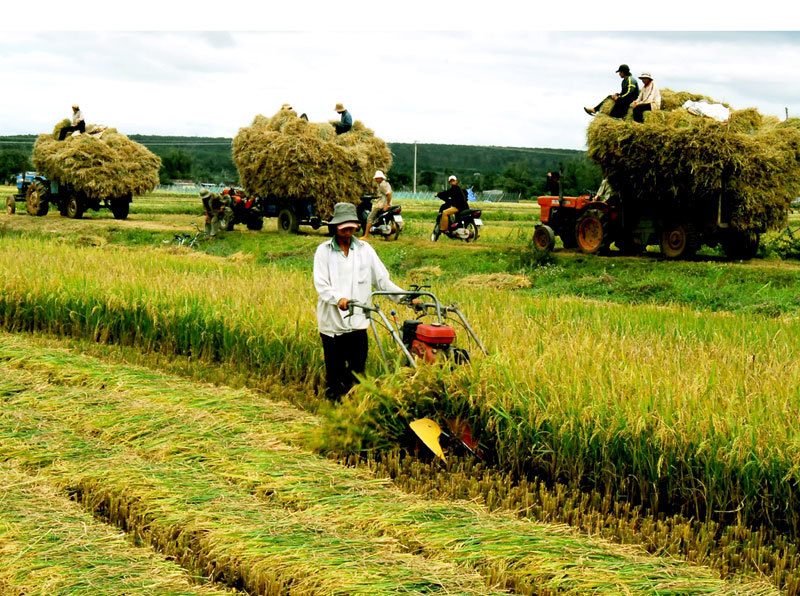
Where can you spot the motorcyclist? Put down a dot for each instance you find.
(455, 200)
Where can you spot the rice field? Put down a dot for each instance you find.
(663, 420)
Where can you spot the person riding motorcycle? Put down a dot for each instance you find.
(455, 200)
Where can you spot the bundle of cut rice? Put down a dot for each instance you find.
(292, 158)
(683, 161)
(102, 165)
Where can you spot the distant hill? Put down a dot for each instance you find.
(515, 169)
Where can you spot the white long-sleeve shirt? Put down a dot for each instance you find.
(650, 94)
(337, 276)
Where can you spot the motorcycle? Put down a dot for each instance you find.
(387, 224)
(464, 225)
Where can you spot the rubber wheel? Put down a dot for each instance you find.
(544, 238)
(287, 222)
(741, 245)
(255, 223)
(11, 205)
(472, 236)
(678, 242)
(120, 208)
(37, 199)
(74, 208)
(591, 231)
(436, 232)
(395, 233)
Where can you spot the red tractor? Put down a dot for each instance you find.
(593, 225)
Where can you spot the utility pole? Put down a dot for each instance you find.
(787, 113)
(415, 167)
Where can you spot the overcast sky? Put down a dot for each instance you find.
(471, 84)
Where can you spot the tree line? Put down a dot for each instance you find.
(511, 169)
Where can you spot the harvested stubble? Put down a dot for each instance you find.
(214, 451)
(50, 546)
(683, 412)
(109, 166)
(291, 158)
(678, 160)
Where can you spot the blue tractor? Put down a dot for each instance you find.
(38, 193)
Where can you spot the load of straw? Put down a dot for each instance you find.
(101, 163)
(679, 160)
(292, 158)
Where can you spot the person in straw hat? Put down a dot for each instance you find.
(383, 202)
(345, 121)
(215, 207)
(649, 98)
(622, 100)
(78, 123)
(346, 269)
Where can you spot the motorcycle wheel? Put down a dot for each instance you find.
(436, 233)
(473, 232)
(393, 235)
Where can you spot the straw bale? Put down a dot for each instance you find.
(292, 158)
(497, 281)
(109, 165)
(679, 160)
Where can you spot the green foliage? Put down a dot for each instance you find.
(13, 162)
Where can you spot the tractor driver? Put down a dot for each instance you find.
(455, 200)
(78, 123)
(346, 269)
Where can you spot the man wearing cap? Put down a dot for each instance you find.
(78, 124)
(345, 269)
(649, 98)
(455, 200)
(383, 201)
(345, 122)
(622, 100)
(215, 207)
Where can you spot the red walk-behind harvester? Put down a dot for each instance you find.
(425, 339)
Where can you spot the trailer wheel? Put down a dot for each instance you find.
(544, 238)
(11, 205)
(37, 199)
(678, 241)
(591, 231)
(741, 245)
(287, 222)
(120, 208)
(74, 207)
(255, 223)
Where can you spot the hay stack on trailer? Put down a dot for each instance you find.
(288, 157)
(748, 167)
(101, 165)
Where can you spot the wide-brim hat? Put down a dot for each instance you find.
(339, 108)
(344, 213)
(379, 174)
(205, 193)
(646, 75)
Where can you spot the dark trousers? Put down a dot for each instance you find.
(344, 355)
(639, 110)
(62, 134)
(620, 109)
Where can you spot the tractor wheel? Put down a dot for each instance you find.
(74, 207)
(11, 205)
(287, 222)
(120, 208)
(678, 241)
(740, 245)
(591, 231)
(472, 235)
(37, 199)
(544, 238)
(254, 223)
